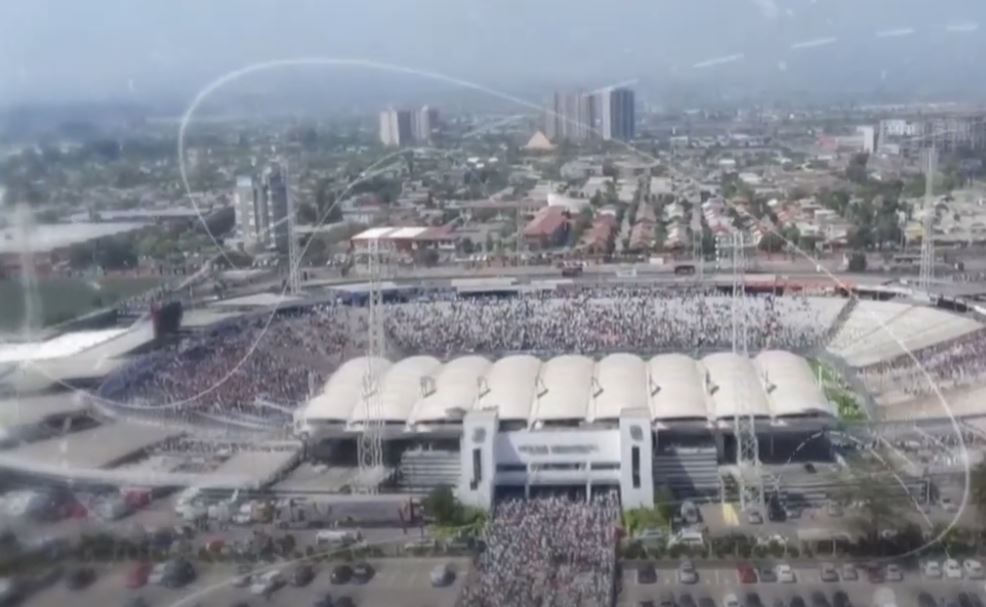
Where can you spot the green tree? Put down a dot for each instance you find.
(979, 487)
(771, 242)
(442, 506)
(856, 171)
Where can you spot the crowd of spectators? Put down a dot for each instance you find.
(586, 322)
(255, 366)
(951, 364)
(260, 367)
(547, 552)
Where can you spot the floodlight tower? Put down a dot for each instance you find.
(294, 258)
(370, 445)
(744, 424)
(927, 275)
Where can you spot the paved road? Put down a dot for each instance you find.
(403, 582)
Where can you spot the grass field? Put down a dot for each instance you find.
(837, 391)
(66, 298)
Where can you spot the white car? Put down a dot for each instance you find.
(947, 504)
(893, 573)
(730, 600)
(266, 583)
(973, 569)
(156, 576)
(785, 574)
(952, 569)
(931, 570)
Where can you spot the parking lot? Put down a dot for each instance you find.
(716, 583)
(404, 582)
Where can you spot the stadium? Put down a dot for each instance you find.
(529, 387)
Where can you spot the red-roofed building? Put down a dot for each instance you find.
(549, 228)
(599, 236)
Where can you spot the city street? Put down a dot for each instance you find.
(402, 582)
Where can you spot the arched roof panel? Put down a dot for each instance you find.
(735, 386)
(676, 388)
(342, 391)
(509, 386)
(400, 388)
(456, 385)
(563, 389)
(790, 385)
(620, 383)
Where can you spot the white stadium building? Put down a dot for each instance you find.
(523, 422)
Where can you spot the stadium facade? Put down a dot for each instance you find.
(523, 423)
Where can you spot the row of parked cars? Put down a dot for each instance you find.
(876, 573)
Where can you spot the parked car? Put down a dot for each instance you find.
(80, 578)
(926, 600)
(646, 575)
(730, 600)
(266, 583)
(746, 573)
(341, 574)
(818, 599)
(931, 570)
(767, 575)
(442, 575)
(796, 601)
(841, 599)
(175, 573)
(849, 573)
(973, 569)
(895, 574)
(785, 574)
(302, 575)
(687, 573)
(137, 576)
(362, 572)
(243, 576)
(753, 517)
(952, 569)
(829, 573)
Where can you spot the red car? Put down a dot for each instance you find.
(746, 573)
(137, 577)
(875, 573)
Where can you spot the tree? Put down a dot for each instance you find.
(979, 487)
(467, 247)
(442, 506)
(857, 261)
(771, 242)
(856, 171)
(879, 506)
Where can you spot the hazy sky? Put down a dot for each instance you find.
(140, 49)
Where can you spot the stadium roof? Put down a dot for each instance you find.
(44, 238)
(421, 389)
(67, 344)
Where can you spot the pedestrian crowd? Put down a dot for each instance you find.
(587, 322)
(951, 364)
(547, 552)
(257, 366)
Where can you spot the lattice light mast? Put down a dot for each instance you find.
(748, 468)
(370, 445)
(294, 257)
(927, 275)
